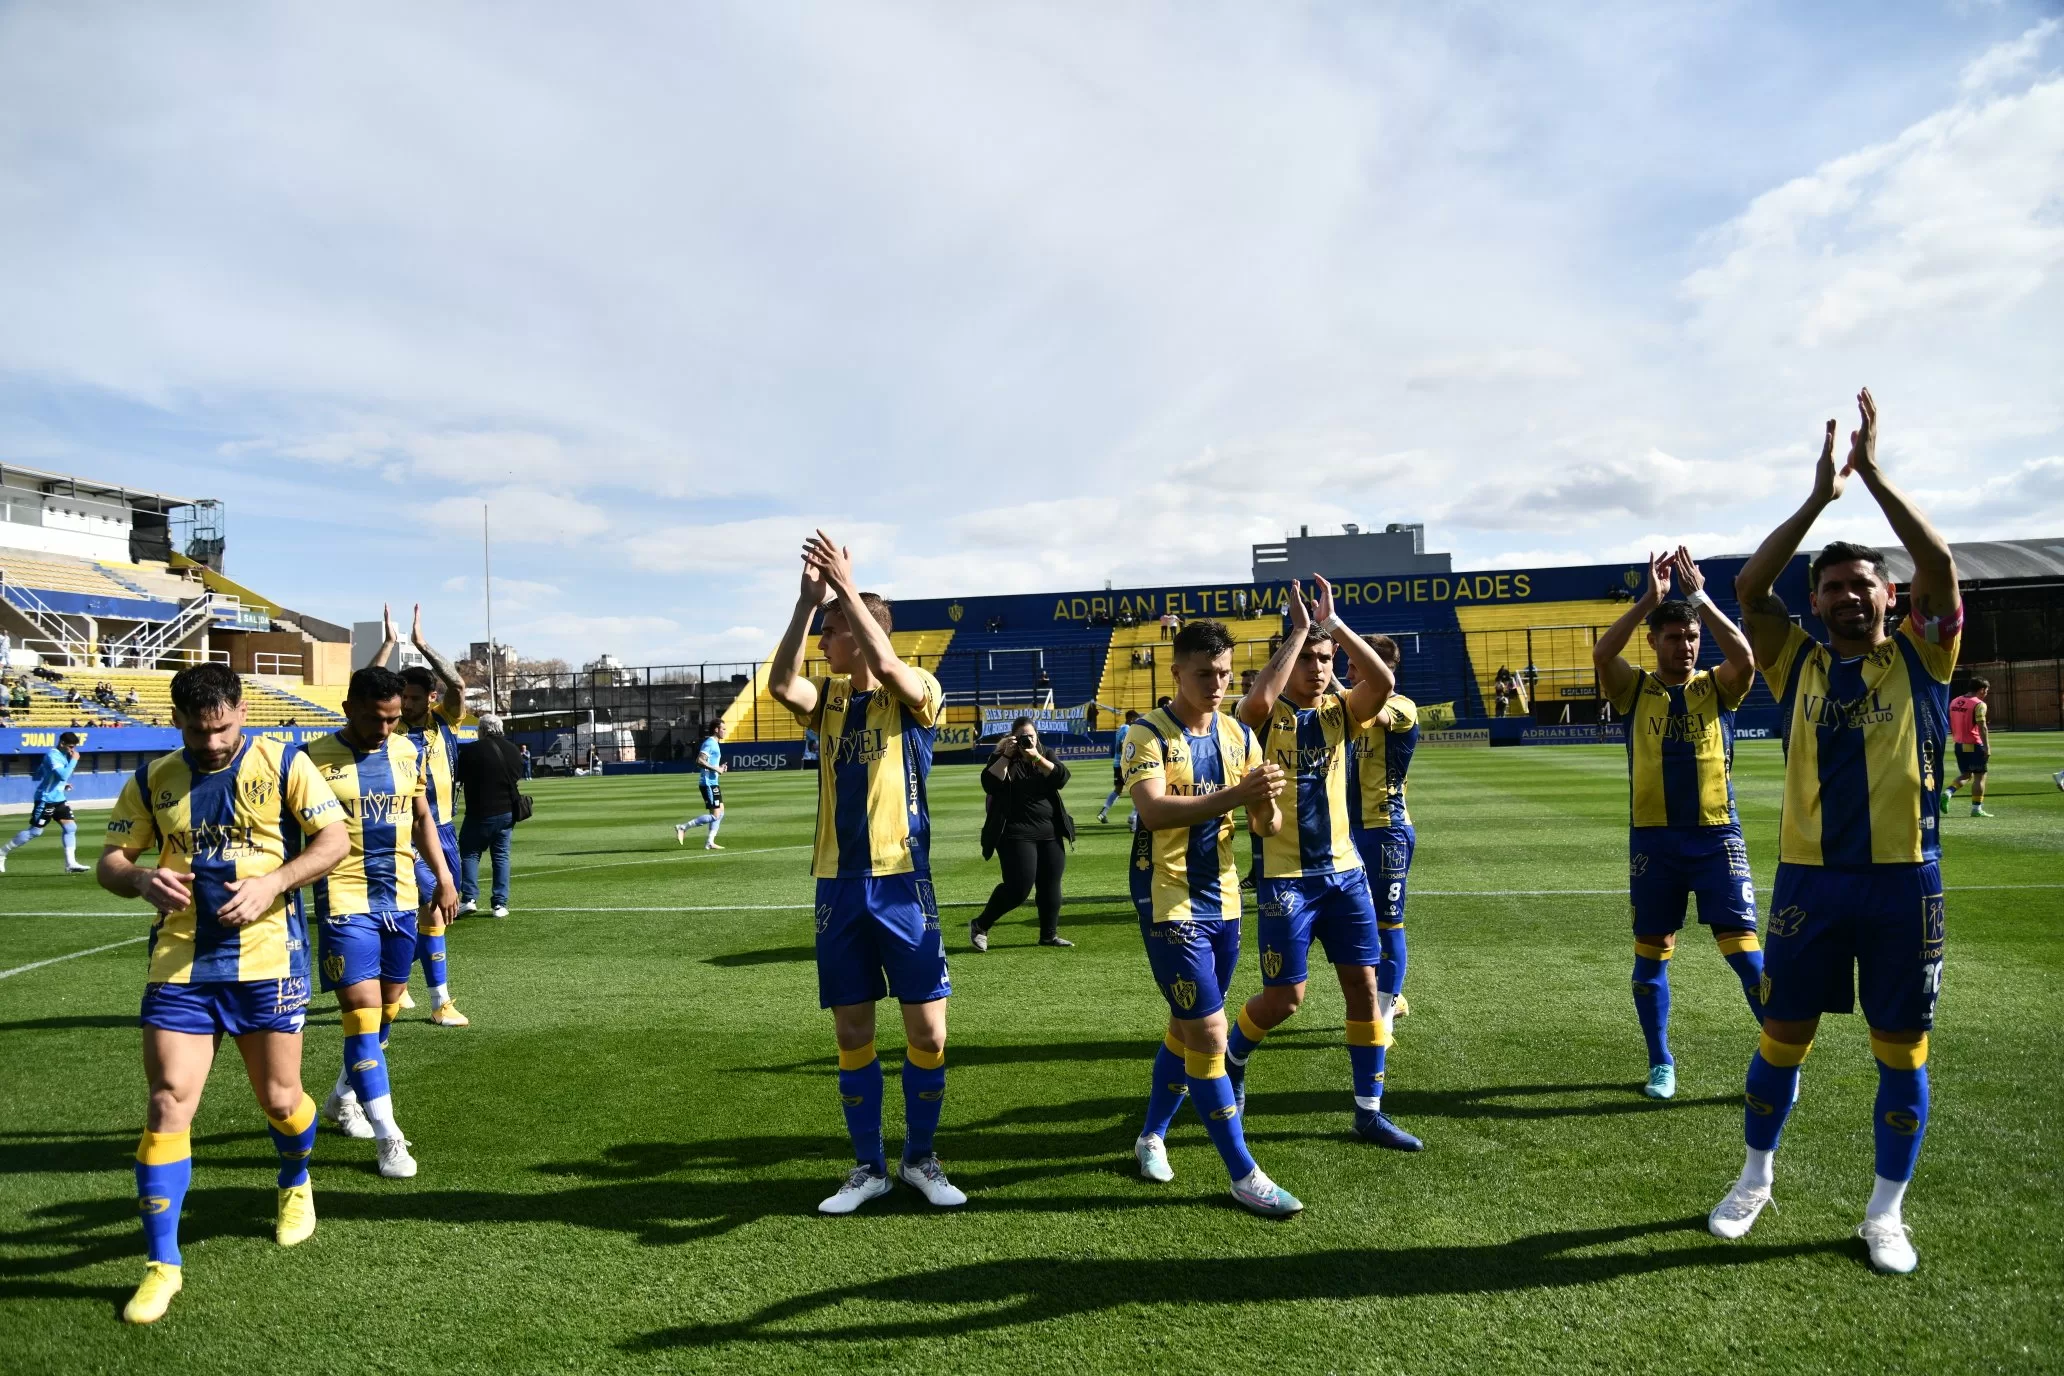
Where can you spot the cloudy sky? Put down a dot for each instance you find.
(1013, 297)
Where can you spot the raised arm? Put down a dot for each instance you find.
(1260, 700)
(1769, 624)
(1934, 578)
(1738, 663)
(785, 681)
(1256, 792)
(1615, 674)
(1373, 680)
(834, 563)
(452, 702)
(389, 640)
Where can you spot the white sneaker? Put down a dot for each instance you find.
(2056, 778)
(680, 833)
(977, 938)
(928, 1178)
(74, 867)
(1734, 1215)
(3, 854)
(501, 910)
(1152, 1154)
(861, 1186)
(395, 1161)
(346, 1116)
(468, 908)
(1891, 1249)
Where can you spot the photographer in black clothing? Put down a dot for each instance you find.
(1028, 828)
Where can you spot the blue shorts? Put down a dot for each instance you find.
(230, 1007)
(426, 878)
(1193, 961)
(877, 936)
(1972, 759)
(1885, 922)
(1335, 908)
(1667, 865)
(1388, 851)
(367, 946)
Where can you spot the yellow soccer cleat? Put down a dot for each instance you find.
(1401, 1009)
(296, 1214)
(448, 1015)
(407, 999)
(161, 1281)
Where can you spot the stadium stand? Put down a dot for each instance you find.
(55, 573)
(755, 715)
(1000, 668)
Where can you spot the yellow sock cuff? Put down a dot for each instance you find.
(1783, 1054)
(359, 1021)
(1900, 1055)
(859, 1058)
(1367, 1033)
(390, 1011)
(1649, 950)
(1734, 943)
(1175, 1048)
(296, 1122)
(923, 1059)
(1253, 1030)
(163, 1148)
(1390, 926)
(1204, 1065)
(427, 930)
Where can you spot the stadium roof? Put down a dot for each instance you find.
(1984, 561)
(87, 487)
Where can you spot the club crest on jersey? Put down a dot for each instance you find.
(1788, 921)
(1183, 993)
(258, 792)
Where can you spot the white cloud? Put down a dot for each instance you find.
(2003, 62)
(1505, 365)
(732, 546)
(518, 515)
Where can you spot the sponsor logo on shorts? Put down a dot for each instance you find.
(1788, 921)
(1637, 865)
(1934, 927)
(823, 917)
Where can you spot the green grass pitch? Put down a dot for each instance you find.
(621, 1157)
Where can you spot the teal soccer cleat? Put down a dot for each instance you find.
(1261, 1195)
(1662, 1082)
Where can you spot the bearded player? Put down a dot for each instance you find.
(1856, 914)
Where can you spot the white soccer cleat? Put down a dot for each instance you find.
(74, 867)
(468, 908)
(680, 833)
(408, 1000)
(977, 938)
(3, 854)
(1891, 1249)
(2056, 778)
(928, 1178)
(861, 1186)
(501, 910)
(347, 1117)
(1152, 1154)
(1734, 1215)
(395, 1161)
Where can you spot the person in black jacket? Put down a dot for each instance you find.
(487, 771)
(1028, 829)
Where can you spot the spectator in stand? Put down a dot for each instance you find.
(1503, 686)
(130, 699)
(1027, 829)
(1170, 624)
(487, 772)
(1043, 681)
(1240, 603)
(6, 722)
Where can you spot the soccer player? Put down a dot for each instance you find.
(1857, 879)
(1684, 836)
(876, 911)
(238, 826)
(1189, 768)
(47, 804)
(1973, 744)
(1383, 833)
(366, 907)
(431, 705)
(1117, 765)
(1309, 878)
(711, 758)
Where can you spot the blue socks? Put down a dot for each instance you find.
(924, 1096)
(430, 954)
(164, 1168)
(294, 1138)
(1771, 1087)
(1368, 1045)
(1212, 1093)
(1165, 1099)
(1745, 957)
(1652, 999)
(1901, 1115)
(1243, 1037)
(1390, 971)
(860, 1093)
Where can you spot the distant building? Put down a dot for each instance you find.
(1354, 553)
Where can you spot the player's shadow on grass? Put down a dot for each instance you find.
(956, 1300)
(1487, 1102)
(71, 1021)
(962, 1055)
(773, 955)
(76, 1153)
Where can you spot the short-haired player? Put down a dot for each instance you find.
(1684, 836)
(1377, 767)
(48, 803)
(1972, 737)
(1117, 765)
(710, 771)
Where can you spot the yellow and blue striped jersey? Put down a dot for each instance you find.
(1680, 751)
(1377, 765)
(1312, 745)
(1863, 744)
(237, 822)
(439, 745)
(874, 756)
(1190, 871)
(377, 790)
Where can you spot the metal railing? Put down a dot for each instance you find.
(276, 665)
